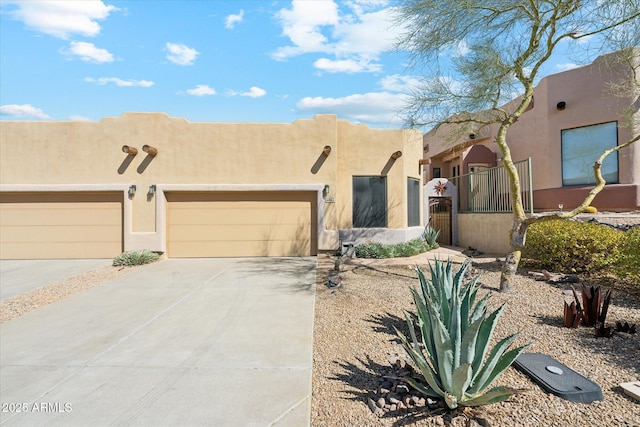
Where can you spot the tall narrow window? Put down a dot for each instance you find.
(369, 201)
(413, 202)
(580, 149)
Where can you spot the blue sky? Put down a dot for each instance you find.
(217, 61)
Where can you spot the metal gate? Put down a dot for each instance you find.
(440, 209)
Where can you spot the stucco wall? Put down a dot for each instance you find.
(488, 233)
(208, 157)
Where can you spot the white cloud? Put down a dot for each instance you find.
(399, 83)
(231, 20)
(355, 36)
(88, 52)
(345, 66)
(302, 24)
(566, 66)
(119, 82)
(62, 18)
(254, 92)
(24, 110)
(201, 90)
(379, 108)
(181, 54)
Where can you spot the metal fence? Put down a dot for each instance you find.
(488, 190)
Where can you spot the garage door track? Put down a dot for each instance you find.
(179, 342)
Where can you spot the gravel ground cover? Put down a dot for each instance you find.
(354, 342)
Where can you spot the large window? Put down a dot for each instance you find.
(369, 201)
(413, 202)
(580, 149)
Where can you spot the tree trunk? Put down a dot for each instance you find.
(510, 267)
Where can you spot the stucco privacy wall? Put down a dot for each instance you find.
(88, 156)
(486, 232)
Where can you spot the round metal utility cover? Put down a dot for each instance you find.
(554, 370)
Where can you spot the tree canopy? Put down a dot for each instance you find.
(475, 55)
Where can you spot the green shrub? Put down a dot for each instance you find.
(139, 257)
(572, 246)
(452, 355)
(380, 250)
(629, 261)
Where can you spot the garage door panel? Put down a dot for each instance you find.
(239, 215)
(60, 234)
(241, 224)
(78, 250)
(60, 225)
(23, 214)
(195, 232)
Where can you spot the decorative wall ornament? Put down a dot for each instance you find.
(440, 187)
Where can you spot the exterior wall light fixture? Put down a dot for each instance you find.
(152, 151)
(132, 191)
(152, 189)
(326, 190)
(129, 150)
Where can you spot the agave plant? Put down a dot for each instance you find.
(430, 236)
(455, 336)
(139, 257)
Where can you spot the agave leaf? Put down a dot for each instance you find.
(468, 344)
(481, 379)
(412, 331)
(455, 329)
(480, 309)
(424, 322)
(458, 278)
(503, 362)
(496, 394)
(425, 369)
(484, 338)
(444, 350)
(422, 389)
(462, 376)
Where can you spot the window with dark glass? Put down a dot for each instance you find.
(437, 173)
(369, 201)
(580, 149)
(413, 202)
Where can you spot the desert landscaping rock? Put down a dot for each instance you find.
(355, 349)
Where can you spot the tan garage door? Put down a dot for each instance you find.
(60, 225)
(237, 224)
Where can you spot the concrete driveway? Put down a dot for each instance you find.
(20, 276)
(181, 342)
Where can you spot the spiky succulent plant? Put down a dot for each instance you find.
(455, 337)
(139, 257)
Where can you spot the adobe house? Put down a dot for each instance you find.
(574, 118)
(150, 181)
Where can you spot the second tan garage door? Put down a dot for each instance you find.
(239, 224)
